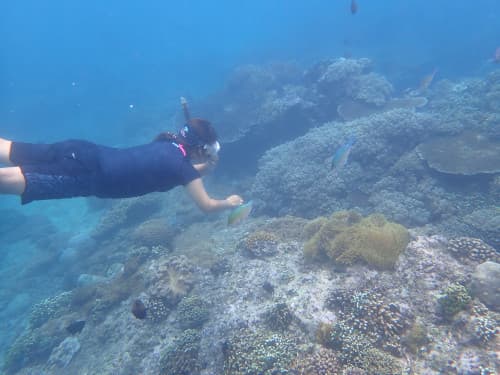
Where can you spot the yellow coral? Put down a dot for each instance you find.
(347, 238)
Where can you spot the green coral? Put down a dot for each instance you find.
(259, 353)
(347, 238)
(192, 312)
(455, 298)
(181, 358)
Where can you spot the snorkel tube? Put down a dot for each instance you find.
(210, 149)
(185, 109)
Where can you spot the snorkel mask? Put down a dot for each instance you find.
(212, 150)
(192, 139)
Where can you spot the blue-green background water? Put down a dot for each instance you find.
(112, 72)
(72, 68)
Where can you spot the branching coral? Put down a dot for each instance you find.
(192, 312)
(370, 314)
(181, 358)
(259, 352)
(472, 248)
(347, 238)
(49, 308)
(454, 299)
(321, 362)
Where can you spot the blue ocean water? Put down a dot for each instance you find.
(113, 71)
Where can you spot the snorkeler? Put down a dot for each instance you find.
(78, 168)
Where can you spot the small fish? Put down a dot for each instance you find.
(240, 213)
(427, 80)
(354, 6)
(139, 309)
(340, 157)
(75, 327)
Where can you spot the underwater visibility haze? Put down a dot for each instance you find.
(363, 136)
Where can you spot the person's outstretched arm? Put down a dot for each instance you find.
(197, 191)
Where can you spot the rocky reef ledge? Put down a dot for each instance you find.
(258, 304)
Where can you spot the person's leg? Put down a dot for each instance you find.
(12, 181)
(5, 146)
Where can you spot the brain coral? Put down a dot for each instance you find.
(468, 153)
(347, 238)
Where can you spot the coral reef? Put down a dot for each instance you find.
(485, 222)
(170, 279)
(49, 308)
(153, 232)
(322, 362)
(62, 355)
(469, 153)
(33, 346)
(181, 358)
(416, 337)
(346, 238)
(472, 248)
(356, 350)
(192, 312)
(485, 284)
(454, 299)
(259, 244)
(350, 110)
(279, 317)
(283, 182)
(258, 353)
(367, 312)
(157, 309)
(125, 213)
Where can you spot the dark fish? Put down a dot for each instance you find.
(75, 327)
(268, 287)
(354, 7)
(138, 309)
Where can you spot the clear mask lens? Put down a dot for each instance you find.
(212, 149)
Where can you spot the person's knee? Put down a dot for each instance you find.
(5, 147)
(12, 181)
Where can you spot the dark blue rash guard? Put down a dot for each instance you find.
(134, 171)
(78, 168)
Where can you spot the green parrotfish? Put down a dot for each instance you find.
(240, 213)
(339, 160)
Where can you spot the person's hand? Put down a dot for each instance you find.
(234, 200)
